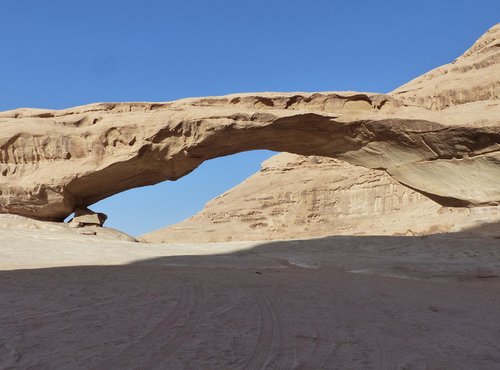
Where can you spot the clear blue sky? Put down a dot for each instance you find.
(57, 54)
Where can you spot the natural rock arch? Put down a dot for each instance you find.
(439, 134)
(54, 161)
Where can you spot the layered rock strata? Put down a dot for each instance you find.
(470, 78)
(295, 196)
(298, 197)
(54, 161)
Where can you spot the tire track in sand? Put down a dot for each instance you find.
(324, 349)
(156, 342)
(196, 312)
(385, 355)
(57, 314)
(275, 342)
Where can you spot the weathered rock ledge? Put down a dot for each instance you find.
(54, 161)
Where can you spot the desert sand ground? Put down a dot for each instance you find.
(70, 301)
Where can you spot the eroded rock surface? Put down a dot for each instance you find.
(86, 217)
(295, 196)
(54, 161)
(17, 227)
(471, 77)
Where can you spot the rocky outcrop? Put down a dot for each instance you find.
(18, 226)
(54, 161)
(472, 77)
(51, 165)
(86, 217)
(295, 196)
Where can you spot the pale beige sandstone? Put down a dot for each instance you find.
(18, 227)
(86, 217)
(349, 302)
(297, 197)
(54, 161)
(472, 77)
(294, 196)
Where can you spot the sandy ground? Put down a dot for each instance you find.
(70, 301)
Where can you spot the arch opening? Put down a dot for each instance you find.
(145, 209)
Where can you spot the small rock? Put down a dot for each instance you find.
(85, 231)
(86, 217)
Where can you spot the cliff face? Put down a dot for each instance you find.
(296, 196)
(472, 77)
(54, 161)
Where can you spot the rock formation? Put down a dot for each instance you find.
(18, 227)
(472, 77)
(86, 217)
(295, 196)
(54, 161)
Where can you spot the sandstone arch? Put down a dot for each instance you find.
(54, 161)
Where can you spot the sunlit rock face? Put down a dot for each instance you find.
(472, 77)
(54, 161)
(294, 196)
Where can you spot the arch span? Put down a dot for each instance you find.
(54, 161)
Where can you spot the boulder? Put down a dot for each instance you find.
(86, 217)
